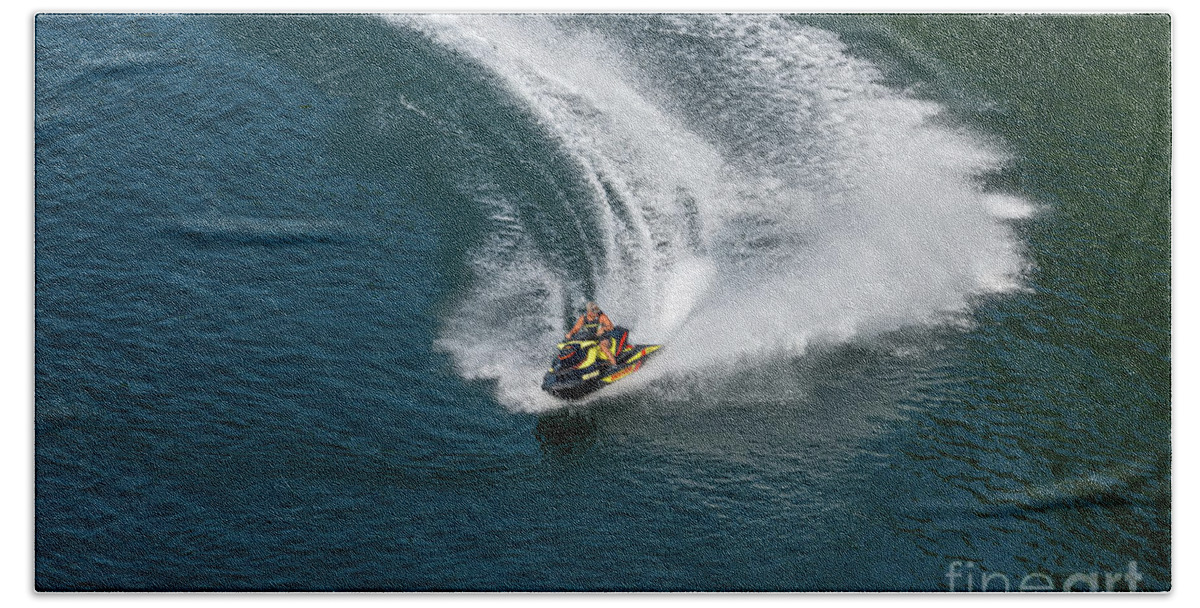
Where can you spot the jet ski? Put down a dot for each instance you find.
(577, 369)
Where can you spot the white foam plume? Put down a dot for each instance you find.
(777, 195)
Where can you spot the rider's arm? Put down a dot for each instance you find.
(606, 324)
(578, 326)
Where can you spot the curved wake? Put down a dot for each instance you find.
(752, 188)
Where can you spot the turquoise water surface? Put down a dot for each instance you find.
(298, 278)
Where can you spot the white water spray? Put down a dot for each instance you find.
(777, 195)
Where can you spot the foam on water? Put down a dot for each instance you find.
(756, 188)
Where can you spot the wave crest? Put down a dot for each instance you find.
(752, 187)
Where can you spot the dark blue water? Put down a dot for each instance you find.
(297, 278)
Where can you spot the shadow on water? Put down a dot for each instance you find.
(566, 433)
(574, 430)
(1141, 481)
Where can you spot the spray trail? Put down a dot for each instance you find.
(751, 188)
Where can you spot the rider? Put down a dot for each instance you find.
(594, 324)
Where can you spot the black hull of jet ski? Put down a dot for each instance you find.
(568, 390)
